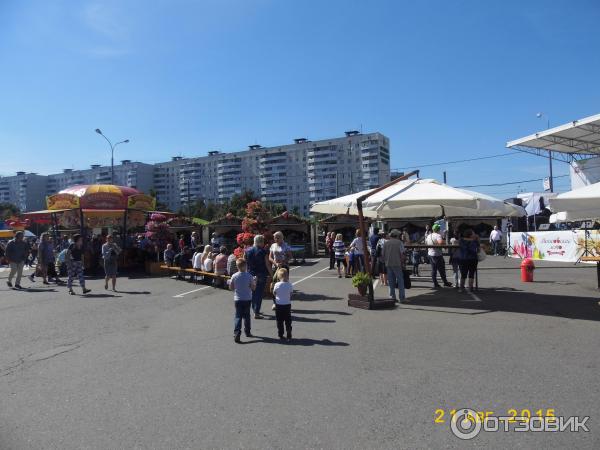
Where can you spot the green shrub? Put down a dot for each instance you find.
(361, 279)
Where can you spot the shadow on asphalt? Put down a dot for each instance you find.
(304, 297)
(298, 319)
(304, 342)
(28, 289)
(101, 296)
(310, 319)
(321, 311)
(134, 292)
(512, 300)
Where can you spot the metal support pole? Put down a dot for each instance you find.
(363, 234)
(551, 178)
(363, 230)
(112, 164)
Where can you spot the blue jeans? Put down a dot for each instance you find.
(242, 311)
(396, 278)
(257, 295)
(495, 247)
(438, 265)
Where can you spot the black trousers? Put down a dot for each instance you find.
(51, 270)
(283, 314)
(331, 258)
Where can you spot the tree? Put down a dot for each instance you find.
(239, 202)
(8, 210)
(255, 222)
(160, 206)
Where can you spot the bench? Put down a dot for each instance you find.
(595, 259)
(214, 276)
(195, 273)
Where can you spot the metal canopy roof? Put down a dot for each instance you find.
(577, 138)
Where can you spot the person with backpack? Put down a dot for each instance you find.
(110, 255)
(469, 251)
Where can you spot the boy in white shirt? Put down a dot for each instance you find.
(283, 303)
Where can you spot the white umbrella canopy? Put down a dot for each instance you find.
(578, 204)
(421, 198)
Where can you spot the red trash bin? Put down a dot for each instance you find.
(527, 268)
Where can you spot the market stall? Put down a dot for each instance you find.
(415, 198)
(96, 210)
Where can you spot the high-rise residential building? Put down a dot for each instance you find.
(296, 175)
(25, 190)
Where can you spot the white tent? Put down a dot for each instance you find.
(421, 198)
(578, 204)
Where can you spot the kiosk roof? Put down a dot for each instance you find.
(579, 137)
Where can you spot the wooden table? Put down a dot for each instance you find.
(597, 260)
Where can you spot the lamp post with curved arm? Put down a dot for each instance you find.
(112, 154)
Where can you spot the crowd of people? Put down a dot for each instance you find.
(259, 269)
(51, 260)
(390, 256)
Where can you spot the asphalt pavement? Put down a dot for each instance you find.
(154, 366)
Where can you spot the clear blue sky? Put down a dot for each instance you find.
(445, 80)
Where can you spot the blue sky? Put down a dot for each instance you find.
(445, 80)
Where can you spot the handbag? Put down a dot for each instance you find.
(406, 276)
(481, 255)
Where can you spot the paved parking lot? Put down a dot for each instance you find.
(155, 366)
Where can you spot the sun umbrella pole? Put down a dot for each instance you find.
(55, 223)
(363, 231)
(363, 236)
(82, 227)
(124, 236)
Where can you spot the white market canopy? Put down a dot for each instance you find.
(578, 204)
(418, 198)
(579, 137)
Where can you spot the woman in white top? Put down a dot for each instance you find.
(206, 256)
(280, 252)
(359, 252)
(197, 259)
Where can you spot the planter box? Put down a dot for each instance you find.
(362, 302)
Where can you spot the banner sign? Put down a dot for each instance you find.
(141, 202)
(566, 246)
(62, 201)
(103, 200)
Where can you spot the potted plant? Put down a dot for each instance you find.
(361, 280)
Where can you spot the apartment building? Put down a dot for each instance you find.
(296, 175)
(25, 190)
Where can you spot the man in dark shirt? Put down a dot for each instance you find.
(16, 253)
(373, 240)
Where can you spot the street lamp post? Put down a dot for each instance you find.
(539, 116)
(112, 154)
